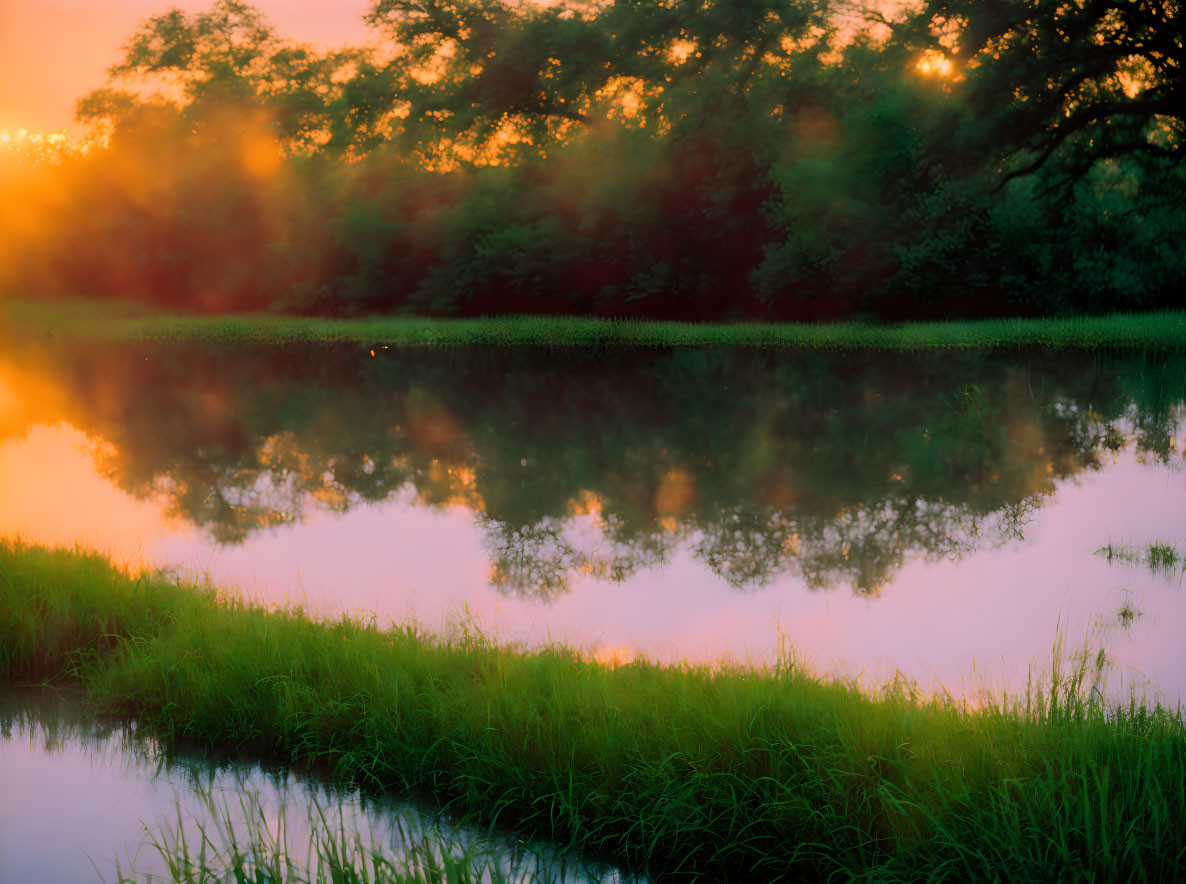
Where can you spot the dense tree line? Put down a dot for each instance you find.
(677, 158)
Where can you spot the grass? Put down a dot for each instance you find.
(690, 772)
(123, 321)
(1158, 556)
(250, 843)
(250, 826)
(1127, 613)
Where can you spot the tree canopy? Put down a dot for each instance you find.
(683, 158)
(1096, 80)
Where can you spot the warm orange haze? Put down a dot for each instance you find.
(774, 161)
(592, 441)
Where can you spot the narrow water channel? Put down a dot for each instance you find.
(82, 802)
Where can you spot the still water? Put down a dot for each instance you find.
(933, 514)
(86, 802)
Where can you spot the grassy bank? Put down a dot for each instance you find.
(690, 771)
(120, 321)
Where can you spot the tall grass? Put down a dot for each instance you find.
(122, 321)
(718, 773)
(247, 841)
(233, 821)
(1158, 556)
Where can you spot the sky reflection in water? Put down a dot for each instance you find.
(84, 802)
(928, 514)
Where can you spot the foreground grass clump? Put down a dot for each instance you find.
(1158, 556)
(253, 826)
(123, 321)
(721, 773)
(250, 843)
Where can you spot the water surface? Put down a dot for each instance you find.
(85, 802)
(934, 514)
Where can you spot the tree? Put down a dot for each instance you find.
(477, 72)
(1087, 80)
(221, 63)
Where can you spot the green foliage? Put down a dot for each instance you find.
(248, 843)
(689, 772)
(1158, 556)
(230, 821)
(678, 160)
(85, 320)
(1083, 80)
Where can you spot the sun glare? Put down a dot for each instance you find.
(18, 137)
(936, 64)
(681, 50)
(25, 399)
(261, 156)
(47, 146)
(9, 402)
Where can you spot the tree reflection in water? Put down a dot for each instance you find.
(835, 467)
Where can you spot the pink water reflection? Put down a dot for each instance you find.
(79, 804)
(948, 623)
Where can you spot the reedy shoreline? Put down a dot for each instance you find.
(725, 773)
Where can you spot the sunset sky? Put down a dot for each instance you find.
(54, 51)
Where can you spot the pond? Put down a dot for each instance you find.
(87, 801)
(936, 514)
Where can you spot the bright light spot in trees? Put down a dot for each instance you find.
(935, 63)
(681, 51)
(51, 146)
(261, 155)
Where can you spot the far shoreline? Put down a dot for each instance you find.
(87, 319)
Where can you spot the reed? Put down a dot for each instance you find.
(690, 772)
(1158, 556)
(248, 841)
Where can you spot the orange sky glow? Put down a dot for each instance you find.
(54, 51)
